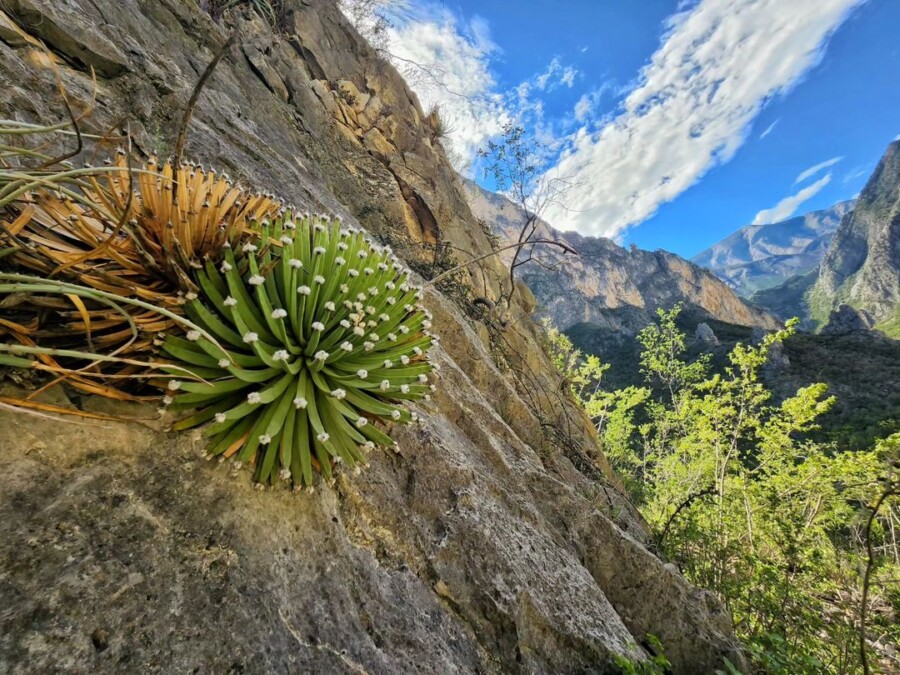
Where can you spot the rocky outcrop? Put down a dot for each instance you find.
(495, 540)
(846, 319)
(606, 285)
(862, 265)
(705, 334)
(758, 257)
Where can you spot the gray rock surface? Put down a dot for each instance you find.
(705, 334)
(847, 319)
(495, 540)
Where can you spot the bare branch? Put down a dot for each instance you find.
(550, 242)
(892, 488)
(189, 110)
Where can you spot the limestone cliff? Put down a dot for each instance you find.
(862, 265)
(495, 540)
(608, 286)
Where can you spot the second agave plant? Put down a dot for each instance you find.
(324, 337)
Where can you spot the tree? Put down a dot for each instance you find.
(793, 536)
(517, 162)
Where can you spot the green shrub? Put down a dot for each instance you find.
(324, 337)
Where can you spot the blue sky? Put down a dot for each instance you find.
(680, 121)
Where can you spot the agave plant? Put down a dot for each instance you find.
(130, 232)
(136, 230)
(324, 339)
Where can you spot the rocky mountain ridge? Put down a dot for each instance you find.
(757, 257)
(862, 265)
(608, 286)
(494, 540)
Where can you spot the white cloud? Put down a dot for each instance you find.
(584, 107)
(541, 81)
(789, 205)
(587, 109)
(813, 170)
(768, 130)
(720, 61)
(555, 74)
(856, 172)
(446, 63)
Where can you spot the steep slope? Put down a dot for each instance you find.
(789, 298)
(608, 286)
(862, 264)
(494, 540)
(758, 257)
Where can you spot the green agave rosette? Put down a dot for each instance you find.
(324, 337)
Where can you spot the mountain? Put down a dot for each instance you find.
(757, 257)
(606, 285)
(493, 540)
(862, 265)
(789, 298)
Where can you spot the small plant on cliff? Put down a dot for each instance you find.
(133, 232)
(325, 337)
(657, 664)
(437, 126)
(297, 339)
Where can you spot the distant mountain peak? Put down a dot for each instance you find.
(761, 256)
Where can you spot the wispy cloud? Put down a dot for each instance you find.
(556, 74)
(584, 107)
(587, 106)
(789, 205)
(447, 63)
(859, 171)
(719, 62)
(768, 130)
(813, 170)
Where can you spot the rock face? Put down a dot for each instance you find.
(608, 286)
(846, 319)
(758, 257)
(862, 265)
(495, 540)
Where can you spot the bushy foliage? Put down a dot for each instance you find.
(324, 336)
(745, 504)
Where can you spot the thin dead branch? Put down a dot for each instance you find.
(192, 102)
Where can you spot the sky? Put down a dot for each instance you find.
(677, 121)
